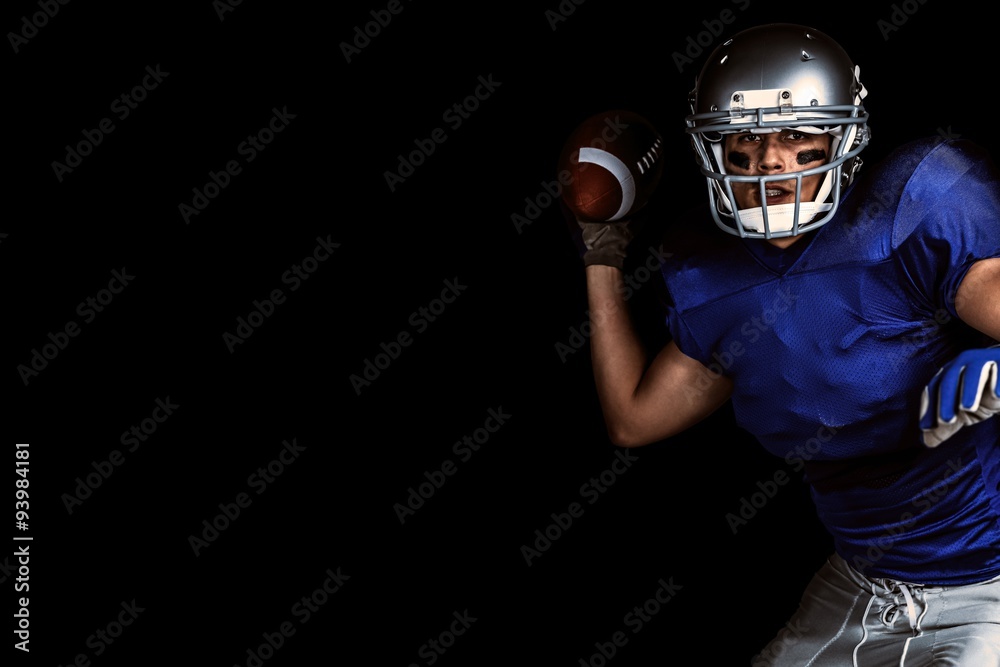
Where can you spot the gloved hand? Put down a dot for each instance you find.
(962, 393)
(601, 242)
(606, 242)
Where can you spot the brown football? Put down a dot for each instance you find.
(611, 164)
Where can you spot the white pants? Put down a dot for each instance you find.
(846, 619)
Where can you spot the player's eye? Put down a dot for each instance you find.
(747, 138)
(795, 136)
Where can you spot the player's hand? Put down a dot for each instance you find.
(962, 393)
(601, 242)
(605, 242)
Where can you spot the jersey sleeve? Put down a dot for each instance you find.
(948, 218)
(687, 243)
(682, 336)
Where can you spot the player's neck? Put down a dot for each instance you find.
(784, 242)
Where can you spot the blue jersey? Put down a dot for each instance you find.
(830, 344)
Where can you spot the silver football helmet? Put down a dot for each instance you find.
(767, 79)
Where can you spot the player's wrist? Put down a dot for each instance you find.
(601, 271)
(608, 257)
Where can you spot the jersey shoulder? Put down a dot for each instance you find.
(898, 198)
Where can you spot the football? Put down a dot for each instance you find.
(610, 166)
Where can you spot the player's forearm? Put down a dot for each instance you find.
(619, 357)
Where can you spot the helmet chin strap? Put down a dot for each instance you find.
(780, 217)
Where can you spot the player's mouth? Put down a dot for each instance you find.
(778, 195)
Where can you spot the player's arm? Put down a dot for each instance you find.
(966, 390)
(642, 402)
(978, 299)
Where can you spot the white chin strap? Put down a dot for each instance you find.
(780, 217)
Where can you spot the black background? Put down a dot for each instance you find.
(494, 347)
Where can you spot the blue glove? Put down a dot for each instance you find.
(962, 393)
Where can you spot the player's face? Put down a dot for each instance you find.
(775, 153)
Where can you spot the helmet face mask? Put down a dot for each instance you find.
(769, 79)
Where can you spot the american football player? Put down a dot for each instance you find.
(851, 316)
